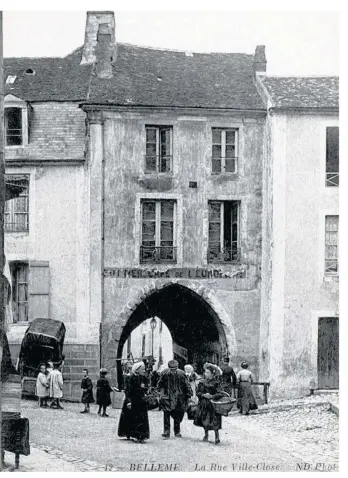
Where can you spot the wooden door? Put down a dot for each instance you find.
(328, 353)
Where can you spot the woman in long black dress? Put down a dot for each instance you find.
(134, 420)
(209, 389)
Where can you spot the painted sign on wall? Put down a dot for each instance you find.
(173, 273)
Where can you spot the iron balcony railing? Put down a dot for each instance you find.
(226, 254)
(332, 179)
(158, 254)
(224, 165)
(158, 164)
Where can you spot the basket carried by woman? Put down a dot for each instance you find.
(224, 405)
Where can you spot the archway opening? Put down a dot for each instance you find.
(197, 333)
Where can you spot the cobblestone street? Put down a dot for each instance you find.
(274, 439)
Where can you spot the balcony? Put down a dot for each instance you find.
(158, 255)
(228, 254)
(332, 179)
(158, 164)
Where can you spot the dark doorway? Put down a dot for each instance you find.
(328, 353)
(192, 322)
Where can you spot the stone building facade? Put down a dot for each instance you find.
(155, 190)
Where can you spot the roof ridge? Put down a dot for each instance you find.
(184, 51)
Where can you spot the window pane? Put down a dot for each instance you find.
(230, 136)
(214, 233)
(149, 210)
(230, 151)
(20, 204)
(216, 165)
(151, 149)
(214, 211)
(216, 136)
(165, 142)
(151, 135)
(149, 231)
(216, 151)
(167, 232)
(167, 210)
(331, 223)
(230, 165)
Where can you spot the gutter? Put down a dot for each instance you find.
(303, 110)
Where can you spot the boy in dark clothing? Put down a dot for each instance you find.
(103, 392)
(87, 391)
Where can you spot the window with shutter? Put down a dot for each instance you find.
(39, 290)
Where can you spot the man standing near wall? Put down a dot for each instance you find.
(175, 392)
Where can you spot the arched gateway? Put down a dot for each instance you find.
(192, 313)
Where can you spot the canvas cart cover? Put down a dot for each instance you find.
(43, 341)
(46, 332)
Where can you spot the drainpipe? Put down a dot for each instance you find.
(102, 242)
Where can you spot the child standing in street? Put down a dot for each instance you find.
(56, 387)
(42, 386)
(103, 392)
(87, 391)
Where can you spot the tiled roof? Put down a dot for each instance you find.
(303, 92)
(55, 79)
(141, 76)
(145, 76)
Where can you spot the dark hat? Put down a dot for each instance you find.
(244, 365)
(173, 364)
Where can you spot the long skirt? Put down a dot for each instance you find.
(134, 422)
(246, 400)
(206, 417)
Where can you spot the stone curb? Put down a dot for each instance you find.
(85, 465)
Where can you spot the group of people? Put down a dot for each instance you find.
(49, 385)
(175, 392)
(179, 390)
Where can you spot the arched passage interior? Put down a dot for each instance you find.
(192, 322)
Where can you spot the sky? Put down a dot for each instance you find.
(301, 43)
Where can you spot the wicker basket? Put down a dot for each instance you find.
(224, 405)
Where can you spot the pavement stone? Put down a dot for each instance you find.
(288, 432)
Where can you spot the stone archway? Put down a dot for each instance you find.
(205, 294)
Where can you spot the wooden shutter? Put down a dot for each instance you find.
(39, 290)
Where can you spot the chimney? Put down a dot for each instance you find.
(260, 62)
(100, 46)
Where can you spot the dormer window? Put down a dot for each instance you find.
(16, 122)
(13, 127)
